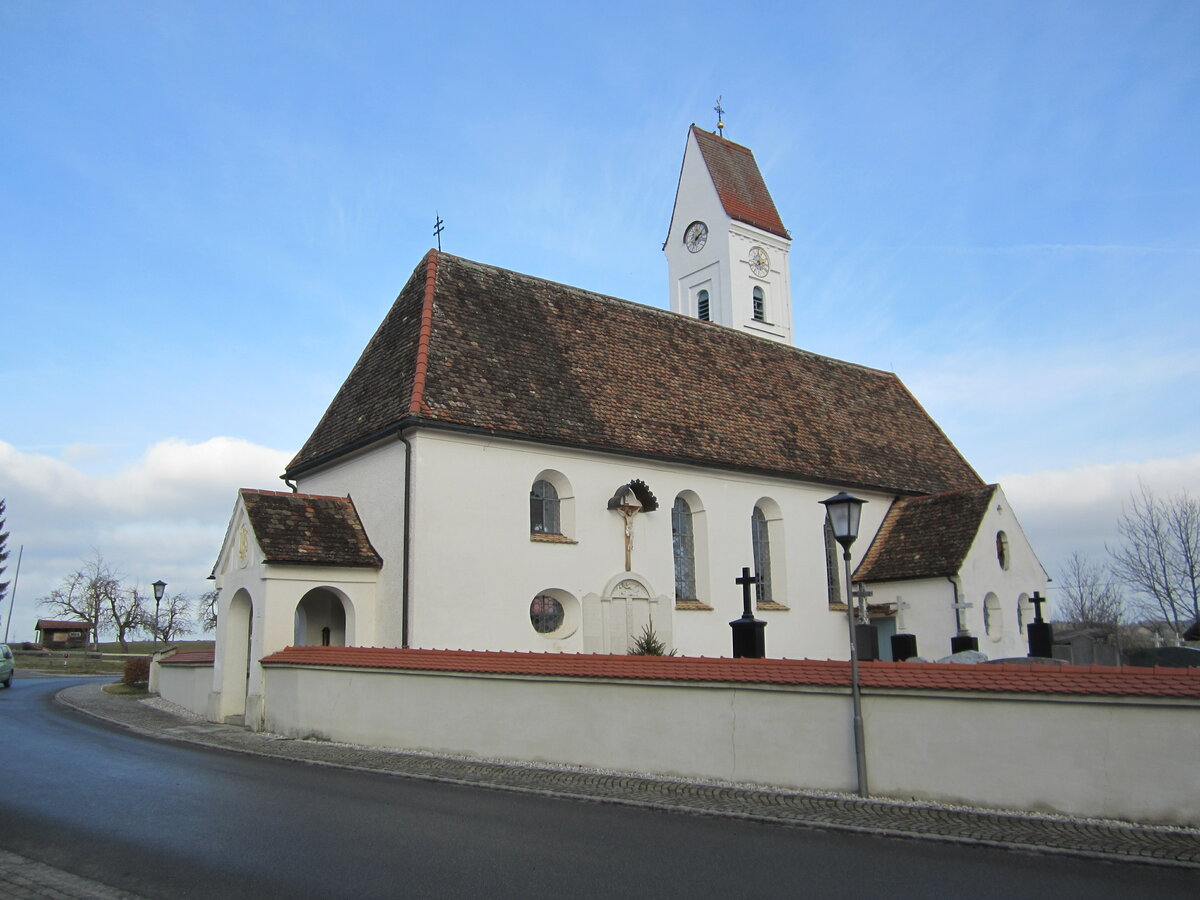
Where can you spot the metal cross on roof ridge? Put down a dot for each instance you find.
(720, 118)
(438, 227)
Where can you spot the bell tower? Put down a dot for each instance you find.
(727, 249)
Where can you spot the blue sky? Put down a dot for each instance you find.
(206, 208)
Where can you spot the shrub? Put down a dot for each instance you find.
(137, 670)
(648, 644)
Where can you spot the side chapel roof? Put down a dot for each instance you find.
(309, 529)
(476, 347)
(926, 537)
(739, 183)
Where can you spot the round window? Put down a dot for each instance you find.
(546, 614)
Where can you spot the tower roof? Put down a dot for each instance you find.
(739, 183)
(479, 348)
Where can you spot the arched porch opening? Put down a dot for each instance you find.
(322, 619)
(239, 629)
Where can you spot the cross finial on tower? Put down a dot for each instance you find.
(720, 118)
(438, 227)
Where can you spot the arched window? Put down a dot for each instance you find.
(993, 619)
(543, 509)
(684, 547)
(760, 305)
(761, 540)
(702, 306)
(833, 577)
(1002, 549)
(1024, 612)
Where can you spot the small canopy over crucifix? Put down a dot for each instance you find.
(629, 500)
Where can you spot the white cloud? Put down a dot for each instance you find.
(1078, 509)
(160, 517)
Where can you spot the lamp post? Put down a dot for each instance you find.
(844, 512)
(160, 587)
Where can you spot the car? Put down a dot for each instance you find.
(6, 665)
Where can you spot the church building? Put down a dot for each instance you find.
(515, 464)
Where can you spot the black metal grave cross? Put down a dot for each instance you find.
(1037, 600)
(746, 581)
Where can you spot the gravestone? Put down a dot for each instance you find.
(1168, 657)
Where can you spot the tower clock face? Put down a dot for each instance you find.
(695, 237)
(760, 263)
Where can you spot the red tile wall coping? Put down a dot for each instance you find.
(191, 658)
(1119, 681)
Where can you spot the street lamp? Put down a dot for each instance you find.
(160, 587)
(845, 512)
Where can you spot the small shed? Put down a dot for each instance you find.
(63, 635)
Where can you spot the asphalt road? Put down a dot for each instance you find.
(166, 820)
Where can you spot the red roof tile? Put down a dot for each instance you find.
(190, 658)
(1119, 681)
(475, 347)
(739, 183)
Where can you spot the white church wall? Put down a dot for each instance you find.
(374, 479)
(476, 569)
(928, 612)
(1080, 755)
(982, 574)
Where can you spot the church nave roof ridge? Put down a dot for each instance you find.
(524, 357)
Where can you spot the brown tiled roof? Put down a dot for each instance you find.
(739, 183)
(473, 346)
(56, 624)
(1000, 677)
(309, 529)
(924, 537)
(190, 658)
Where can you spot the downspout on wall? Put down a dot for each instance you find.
(406, 540)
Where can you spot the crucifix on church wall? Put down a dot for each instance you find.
(629, 500)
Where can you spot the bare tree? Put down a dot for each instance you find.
(1160, 557)
(1091, 597)
(82, 594)
(124, 609)
(206, 611)
(174, 618)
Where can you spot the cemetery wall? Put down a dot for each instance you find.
(1119, 757)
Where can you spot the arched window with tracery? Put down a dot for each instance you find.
(543, 509)
(683, 544)
(760, 537)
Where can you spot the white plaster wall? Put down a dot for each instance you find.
(184, 685)
(1111, 757)
(374, 480)
(929, 615)
(475, 569)
(981, 574)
